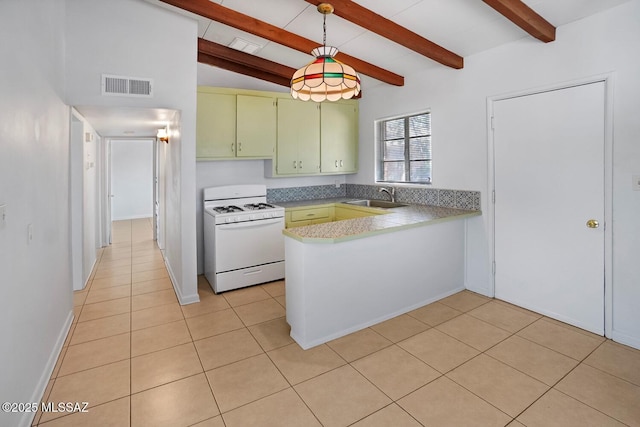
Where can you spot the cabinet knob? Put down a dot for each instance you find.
(336, 163)
(239, 146)
(340, 163)
(294, 164)
(300, 164)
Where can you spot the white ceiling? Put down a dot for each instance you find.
(126, 122)
(465, 27)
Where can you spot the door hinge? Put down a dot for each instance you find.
(493, 268)
(492, 123)
(493, 197)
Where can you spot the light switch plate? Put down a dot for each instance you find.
(636, 183)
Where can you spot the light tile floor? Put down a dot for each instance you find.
(141, 359)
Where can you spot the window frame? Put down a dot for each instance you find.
(380, 147)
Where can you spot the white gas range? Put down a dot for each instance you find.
(243, 241)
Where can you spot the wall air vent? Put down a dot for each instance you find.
(126, 86)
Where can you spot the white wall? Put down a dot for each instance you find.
(35, 276)
(139, 39)
(603, 43)
(131, 178)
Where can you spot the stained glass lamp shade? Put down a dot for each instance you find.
(325, 78)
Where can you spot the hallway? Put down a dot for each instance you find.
(140, 359)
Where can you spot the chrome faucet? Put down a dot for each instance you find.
(391, 193)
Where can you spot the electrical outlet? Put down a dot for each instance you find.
(337, 182)
(636, 183)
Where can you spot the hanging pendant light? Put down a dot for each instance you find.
(325, 78)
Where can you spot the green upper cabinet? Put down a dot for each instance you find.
(230, 125)
(216, 126)
(298, 146)
(256, 126)
(296, 137)
(339, 137)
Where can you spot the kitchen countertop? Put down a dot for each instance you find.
(389, 220)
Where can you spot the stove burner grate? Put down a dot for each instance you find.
(258, 206)
(227, 209)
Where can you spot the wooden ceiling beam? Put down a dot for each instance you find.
(526, 18)
(244, 59)
(226, 64)
(388, 29)
(218, 13)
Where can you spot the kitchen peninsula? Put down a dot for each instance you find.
(344, 276)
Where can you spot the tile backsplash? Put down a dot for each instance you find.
(461, 199)
(314, 192)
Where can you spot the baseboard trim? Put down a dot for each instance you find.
(38, 393)
(182, 299)
(625, 339)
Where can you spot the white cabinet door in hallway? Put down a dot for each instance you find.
(549, 182)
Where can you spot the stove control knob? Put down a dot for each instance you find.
(251, 217)
(227, 220)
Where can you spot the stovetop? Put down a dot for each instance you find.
(227, 209)
(244, 208)
(239, 203)
(258, 206)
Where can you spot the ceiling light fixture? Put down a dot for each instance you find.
(325, 78)
(163, 135)
(244, 46)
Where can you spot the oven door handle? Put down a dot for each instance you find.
(250, 224)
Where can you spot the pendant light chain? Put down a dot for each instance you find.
(324, 30)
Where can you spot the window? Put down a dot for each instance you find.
(405, 149)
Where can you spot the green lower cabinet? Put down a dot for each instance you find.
(308, 215)
(297, 217)
(342, 212)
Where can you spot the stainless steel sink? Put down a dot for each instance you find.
(376, 203)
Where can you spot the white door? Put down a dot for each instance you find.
(132, 179)
(549, 183)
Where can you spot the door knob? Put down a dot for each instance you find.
(592, 223)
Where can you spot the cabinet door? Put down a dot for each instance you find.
(342, 213)
(256, 126)
(339, 137)
(298, 146)
(215, 125)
